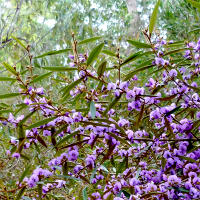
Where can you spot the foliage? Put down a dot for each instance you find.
(102, 125)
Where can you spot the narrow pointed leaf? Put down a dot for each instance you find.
(41, 77)
(154, 17)
(111, 105)
(108, 52)
(132, 73)
(7, 79)
(19, 42)
(11, 95)
(60, 69)
(53, 53)
(138, 44)
(20, 193)
(135, 56)
(40, 123)
(94, 53)
(9, 68)
(66, 138)
(92, 109)
(26, 118)
(85, 196)
(69, 87)
(101, 68)
(26, 171)
(89, 40)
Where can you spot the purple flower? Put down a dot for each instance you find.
(173, 73)
(16, 155)
(47, 133)
(60, 183)
(111, 86)
(174, 180)
(89, 162)
(155, 114)
(117, 187)
(159, 61)
(77, 168)
(73, 155)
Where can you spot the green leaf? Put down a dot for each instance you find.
(154, 17)
(121, 166)
(138, 44)
(66, 138)
(135, 56)
(41, 77)
(183, 190)
(92, 109)
(93, 174)
(173, 111)
(53, 53)
(101, 68)
(188, 159)
(118, 138)
(21, 192)
(89, 40)
(131, 58)
(26, 118)
(85, 196)
(69, 87)
(194, 3)
(7, 79)
(94, 53)
(39, 189)
(132, 73)
(11, 95)
(19, 42)
(175, 51)
(26, 171)
(108, 52)
(68, 177)
(126, 193)
(112, 104)
(9, 68)
(60, 69)
(40, 123)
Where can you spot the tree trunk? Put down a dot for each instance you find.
(134, 23)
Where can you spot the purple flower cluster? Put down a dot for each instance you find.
(148, 146)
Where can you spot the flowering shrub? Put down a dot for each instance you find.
(107, 135)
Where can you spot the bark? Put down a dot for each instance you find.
(134, 23)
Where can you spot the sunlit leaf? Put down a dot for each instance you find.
(40, 123)
(60, 69)
(19, 42)
(89, 40)
(108, 52)
(94, 53)
(10, 95)
(7, 79)
(9, 68)
(154, 17)
(53, 53)
(138, 44)
(41, 77)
